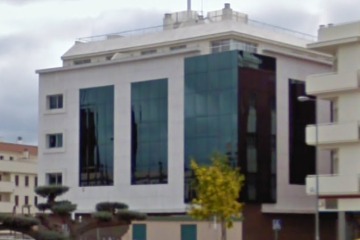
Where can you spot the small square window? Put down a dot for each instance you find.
(1, 157)
(11, 158)
(55, 101)
(54, 140)
(54, 178)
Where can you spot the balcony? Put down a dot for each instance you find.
(19, 166)
(334, 185)
(333, 133)
(6, 187)
(332, 83)
(6, 207)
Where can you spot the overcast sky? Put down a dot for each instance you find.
(35, 33)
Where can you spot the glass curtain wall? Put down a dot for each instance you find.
(149, 132)
(210, 110)
(96, 136)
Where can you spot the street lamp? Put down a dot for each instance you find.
(317, 220)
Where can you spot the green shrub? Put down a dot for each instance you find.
(110, 206)
(51, 190)
(63, 208)
(19, 222)
(4, 216)
(128, 215)
(102, 216)
(51, 235)
(43, 206)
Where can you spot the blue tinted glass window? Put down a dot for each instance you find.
(149, 131)
(210, 103)
(96, 136)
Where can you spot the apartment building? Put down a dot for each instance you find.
(338, 191)
(123, 116)
(18, 177)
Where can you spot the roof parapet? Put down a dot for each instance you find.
(190, 18)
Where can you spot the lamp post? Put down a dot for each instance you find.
(317, 220)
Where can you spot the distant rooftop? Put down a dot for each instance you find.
(191, 18)
(18, 148)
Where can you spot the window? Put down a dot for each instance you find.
(54, 140)
(82, 61)
(147, 52)
(11, 158)
(54, 178)
(302, 156)
(211, 103)
(177, 47)
(188, 232)
(0, 177)
(139, 232)
(334, 110)
(35, 182)
(231, 44)
(35, 200)
(96, 152)
(1, 157)
(26, 181)
(149, 131)
(26, 200)
(16, 180)
(334, 161)
(16, 200)
(55, 101)
(220, 46)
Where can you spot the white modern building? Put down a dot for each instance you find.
(120, 120)
(339, 191)
(18, 178)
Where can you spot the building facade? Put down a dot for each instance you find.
(18, 177)
(338, 191)
(122, 117)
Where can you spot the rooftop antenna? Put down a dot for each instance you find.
(189, 5)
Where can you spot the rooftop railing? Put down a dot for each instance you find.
(236, 16)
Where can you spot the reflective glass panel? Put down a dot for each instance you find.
(96, 136)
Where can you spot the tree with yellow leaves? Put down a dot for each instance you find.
(217, 189)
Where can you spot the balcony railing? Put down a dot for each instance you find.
(334, 185)
(6, 187)
(27, 166)
(6, 207)
(332, 83)
(332, 133)
(210, 18)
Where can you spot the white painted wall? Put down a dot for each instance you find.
(165, 197)
(343, 42)
(292, 198)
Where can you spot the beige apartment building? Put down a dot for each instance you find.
(340, 190)
(18, 177)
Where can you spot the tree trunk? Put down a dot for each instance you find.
(223, 230)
